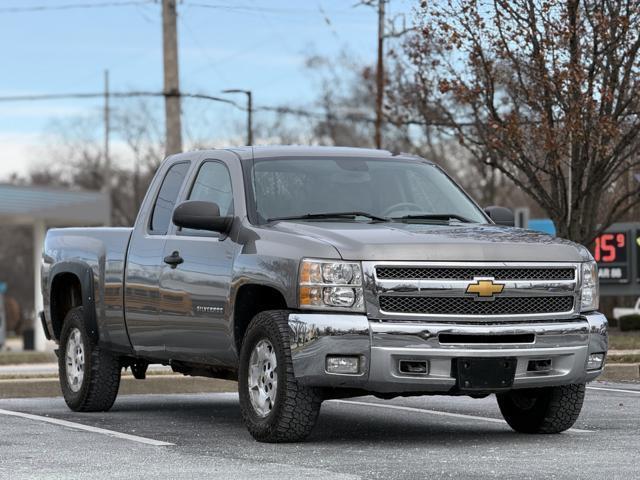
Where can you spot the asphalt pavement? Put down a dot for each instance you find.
(202, 436)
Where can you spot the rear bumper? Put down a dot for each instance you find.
(381, 345)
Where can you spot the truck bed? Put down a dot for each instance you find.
(97, 253)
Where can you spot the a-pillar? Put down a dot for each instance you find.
(39, 230)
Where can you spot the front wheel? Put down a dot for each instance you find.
(542, 410)
(89, 375)
(274, 406)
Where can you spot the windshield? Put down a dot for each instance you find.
(380, 188)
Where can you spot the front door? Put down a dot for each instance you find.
(194, 295)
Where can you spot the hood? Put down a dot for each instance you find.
(420, 242)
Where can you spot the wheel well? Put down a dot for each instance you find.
(66, 293)
(251, 300)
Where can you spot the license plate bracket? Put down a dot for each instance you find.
(486, 373)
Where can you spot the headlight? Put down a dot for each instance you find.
(589, 292)
(331, 285)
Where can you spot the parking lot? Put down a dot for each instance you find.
(202, 436)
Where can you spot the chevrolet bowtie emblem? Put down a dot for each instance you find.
(485, 288)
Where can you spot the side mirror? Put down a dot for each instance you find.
(200, 215)
(501, 216)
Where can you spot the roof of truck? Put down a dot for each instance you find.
(246, 153)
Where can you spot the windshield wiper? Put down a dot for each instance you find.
(435, 216)
(313, 216)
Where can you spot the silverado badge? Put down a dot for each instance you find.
(485, 288)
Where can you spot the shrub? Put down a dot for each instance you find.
(629, 322)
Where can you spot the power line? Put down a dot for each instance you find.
(353, 116)
(201, 96)
(67, 96)
(248, 8)
(253, 9)
(73, 6)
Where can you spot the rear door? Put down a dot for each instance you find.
(145, 259)
(194, 295)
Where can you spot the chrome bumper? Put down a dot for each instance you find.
(381, 345)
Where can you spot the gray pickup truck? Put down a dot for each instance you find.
(316, 273)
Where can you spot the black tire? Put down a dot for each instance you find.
(101, 378)
(295, 410)
(542, 410)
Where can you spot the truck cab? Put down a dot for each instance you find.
(309, 273)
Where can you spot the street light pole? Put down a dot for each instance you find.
(249, 112)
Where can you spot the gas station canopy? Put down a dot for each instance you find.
(27, 204)
(43, 207)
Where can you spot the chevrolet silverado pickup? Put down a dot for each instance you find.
(311, 273)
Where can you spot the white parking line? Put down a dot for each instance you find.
(440, 413)
(637, 392)
(86, 428)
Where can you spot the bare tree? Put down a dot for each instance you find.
(546, 92)
(347, 99)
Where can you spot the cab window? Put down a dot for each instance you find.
(166, 199)
(213, 184)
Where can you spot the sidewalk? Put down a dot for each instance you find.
(41, 380)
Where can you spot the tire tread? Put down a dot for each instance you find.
(298, 413)
(104, 373)
(556, 409)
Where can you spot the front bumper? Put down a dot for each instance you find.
(381, 346)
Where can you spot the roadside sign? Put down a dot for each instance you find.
(544, 225)
(617, 251)
(612, 254)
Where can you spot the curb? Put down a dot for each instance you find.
(621, 371)
(8, 357)
(162, 384)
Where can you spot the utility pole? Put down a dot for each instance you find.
(249, 118)
(380, 74)
(249, 111)
(106, 181)
(173, 128)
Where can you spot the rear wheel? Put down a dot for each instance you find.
(89, 375)
(542, 410)
(274, 406)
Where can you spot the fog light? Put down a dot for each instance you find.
(595, 362)
(539, 365)
(344, 365)
(414, 367)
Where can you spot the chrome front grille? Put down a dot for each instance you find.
(437, 291)
(469, 273)
(469, 306)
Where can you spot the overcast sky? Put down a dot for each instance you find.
(252, 44)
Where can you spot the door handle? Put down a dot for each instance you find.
(174, 259)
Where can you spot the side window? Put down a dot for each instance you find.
(167, 196)
(213, 184)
